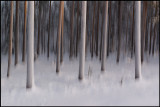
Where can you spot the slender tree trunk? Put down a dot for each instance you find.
(17, 33)
(119, 29)
(97, 31)
(24, 36)
(61, 59)
(83, 32)
(109, 32)
(10, 40)
(132, 32)
(30, 61)
(150, 38)
(137, 33)
(72, 31)
(100, 57)
(126, 33)
(147, 33)
(61, 8)
(77, 40)
(49, 29)
(144, 29)
(104, 37)
(93, 29)
(39, 25)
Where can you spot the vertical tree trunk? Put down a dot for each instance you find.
(61, 8)
(30, 59)
(109, 32)
(126, 33)
(39, 24)
(72, 31)
(119, 29)
(97, 30)
(132, 32)
(144, 29)
(10, 40)
(93, 29)
(61, 59)
(24, 36)
(17, 33)
(49, 28)
(104, 37)
(83, 32)
(150, 37)
(137, 33)
(77, 40)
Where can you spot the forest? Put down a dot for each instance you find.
(79, 42)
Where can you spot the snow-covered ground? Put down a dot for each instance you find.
(116, 86)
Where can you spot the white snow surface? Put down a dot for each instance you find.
(116, 86)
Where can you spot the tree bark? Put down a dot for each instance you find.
(72, 31)
(83, 30)
(132, 32)
(24, 36)
(49, 29)
(93, 29)
(119, 29)
(77, 40)
(144, 29)
(10, 40)
(137, 35)
(17, 33)
(109, 32)
(104, 37)
(39, 25)
(61, 8)
(30, 61)
(97, 31)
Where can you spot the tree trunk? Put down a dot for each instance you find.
(150, 37)
(61, 59)
(17, 33)
(49, 29)
(24, 36)
(126, 34)
(30, 61)
(72, 31)
(109, 32)
(119, 29)
(137, 33)
(93, 29)
(104, 37)
(97, 31)
(132, 32)
(83, 32)
(144, 29)
(77, 40)
(39, 25)
(10, 40)
(61, 8)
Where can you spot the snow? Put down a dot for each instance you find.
(116, 86)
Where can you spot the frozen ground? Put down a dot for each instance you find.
(115, 87)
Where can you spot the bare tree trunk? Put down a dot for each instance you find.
(24, 36)
(77, 40)
(109, 32)
(126, 33)
(144, 29)
(137, 33)
(30, 61)
(17, 33)
(93, 29)
(72, 31)
(119, 29)
(10, 40)
(150, 38)
(61, 8)
(49, 29)
(104, 37)
(97, 31)
(61, 59)
(83, 32)
(39, 24)
(132, 32)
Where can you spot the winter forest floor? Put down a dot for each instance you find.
(116, 86)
